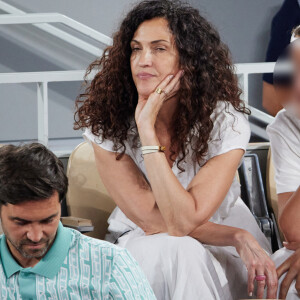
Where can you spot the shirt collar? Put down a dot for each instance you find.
(10, 266)
(49, 265)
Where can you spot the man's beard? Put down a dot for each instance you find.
(33, 253)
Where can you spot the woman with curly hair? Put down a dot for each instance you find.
(169, 130)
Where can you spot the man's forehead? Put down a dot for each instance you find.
(33, 210)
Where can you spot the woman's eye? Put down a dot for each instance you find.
(135, 49)
(160, 49)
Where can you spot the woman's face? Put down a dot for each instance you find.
(154, 55)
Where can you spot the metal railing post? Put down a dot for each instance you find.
(42, 102)
(246, 87)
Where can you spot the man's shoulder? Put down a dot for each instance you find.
(85, 243)
(283, 123)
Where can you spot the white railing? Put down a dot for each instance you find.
(245, 70)
(43, 78)
(17, 16)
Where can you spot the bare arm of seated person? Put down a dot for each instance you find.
(133, 195)
(130, 190)
(181, 210)
(289, 210)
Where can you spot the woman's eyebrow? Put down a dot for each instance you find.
(153, 42)
(159, 41)
(135, 41)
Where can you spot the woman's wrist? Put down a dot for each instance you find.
(148, 136)
(240, 238)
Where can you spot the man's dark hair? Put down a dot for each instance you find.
(30, 172)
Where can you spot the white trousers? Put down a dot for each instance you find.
(181, 268)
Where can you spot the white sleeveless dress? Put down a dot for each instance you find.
(181, 267)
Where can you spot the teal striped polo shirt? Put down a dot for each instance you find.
(76, 267)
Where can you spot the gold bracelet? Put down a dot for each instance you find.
(152, 149)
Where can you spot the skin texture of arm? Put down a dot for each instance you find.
(289, 209)
(130, 190)
(270, 102)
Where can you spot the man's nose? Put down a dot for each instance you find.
(35, 233)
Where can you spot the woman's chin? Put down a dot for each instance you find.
(145, 93)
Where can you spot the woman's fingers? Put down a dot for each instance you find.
(169, 95)
(297, 284)
(260, 283)
(284, 267)
(272, 281)
(291, 245)
(168, 85)
(171, 87)
(286, 282)
(251, 278)
(262, 265)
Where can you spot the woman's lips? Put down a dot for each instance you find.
(144, 76)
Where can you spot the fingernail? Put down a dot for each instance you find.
(182, 72)
(250, 294)
(285, 243)
(170, 76)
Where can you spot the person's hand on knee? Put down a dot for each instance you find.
(292, 269)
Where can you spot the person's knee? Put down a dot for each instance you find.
(163, 245)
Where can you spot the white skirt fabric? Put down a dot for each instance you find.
(183, 268)
(279, 257)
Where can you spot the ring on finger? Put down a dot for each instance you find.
(260, 277)
(159, 91)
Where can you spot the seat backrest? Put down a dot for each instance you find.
(271, 184)
(87, 197)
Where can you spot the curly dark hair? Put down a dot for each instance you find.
(108, 104)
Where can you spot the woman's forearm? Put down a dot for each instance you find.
(174, 202)
(289, 220)
(219, 235)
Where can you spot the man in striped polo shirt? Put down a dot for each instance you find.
(39, 258)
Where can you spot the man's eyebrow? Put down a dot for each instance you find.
(28, 221)
(153, 42)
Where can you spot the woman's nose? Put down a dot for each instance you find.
(35, 233)
(145, 59)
